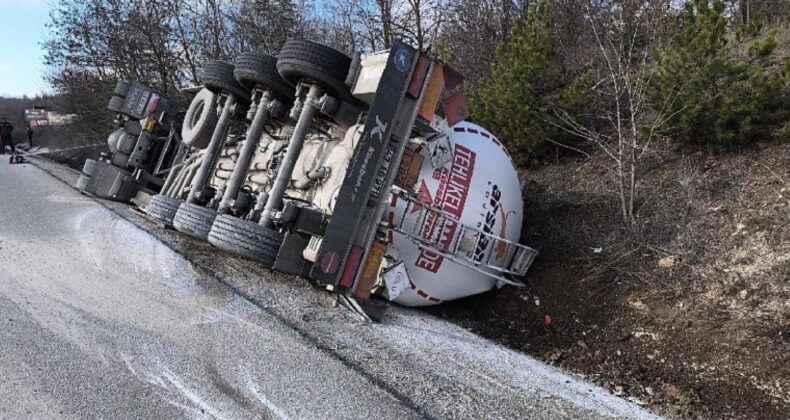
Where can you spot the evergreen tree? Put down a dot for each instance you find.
(729, 88)
(526, 88)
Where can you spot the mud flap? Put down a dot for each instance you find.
(289, 259)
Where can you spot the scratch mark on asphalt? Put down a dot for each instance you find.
(256, 391)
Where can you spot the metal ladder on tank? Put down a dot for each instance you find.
(465, 245)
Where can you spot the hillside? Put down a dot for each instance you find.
(688, 314)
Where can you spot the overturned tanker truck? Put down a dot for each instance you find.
(361, 175)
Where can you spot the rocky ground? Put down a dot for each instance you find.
(688, 313)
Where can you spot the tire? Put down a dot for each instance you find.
(246, 239)
(200, 120)
(218, 76)
(116, 104)
(163, 208)
(122, 88)
(304, 60)
(194, 220)
(255, 69)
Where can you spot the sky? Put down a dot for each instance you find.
(22, 29)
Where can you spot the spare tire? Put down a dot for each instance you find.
(194, 220)
(255, 69)
(218, 76)
(245, 238)
(200, 120)
(301, 60)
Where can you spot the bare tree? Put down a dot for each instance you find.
(630, 123)
(374, 24)
(473, 29)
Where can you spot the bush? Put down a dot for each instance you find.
(526, 87)
(723, 89)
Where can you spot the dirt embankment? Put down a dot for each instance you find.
(689, 313)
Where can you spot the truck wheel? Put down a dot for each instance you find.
(260, 69)
(218, 76)
(245, 238)
(307, 61)
(194, 220)
(163, 208)
(200, 120)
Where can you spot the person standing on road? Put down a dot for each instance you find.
(5, 135)
(29, 131)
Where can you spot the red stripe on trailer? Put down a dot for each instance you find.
(351, 267)
(486, 135)
(422, 294)
(418, 77)
(459, 130)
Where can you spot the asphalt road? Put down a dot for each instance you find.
(105, 315)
